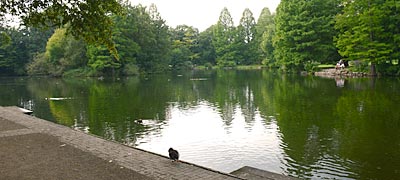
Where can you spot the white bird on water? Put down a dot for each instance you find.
(57, 99)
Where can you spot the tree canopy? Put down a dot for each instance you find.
(265, 29)
(224, 39)
(369, 31)
(298, 37)
(85, 18)
(246, 39)
(304, 32)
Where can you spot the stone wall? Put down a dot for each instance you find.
(339, 73)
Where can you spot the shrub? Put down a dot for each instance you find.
(130, 70)
(39, 65)
(311, 66)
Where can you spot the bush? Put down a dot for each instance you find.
(311, 66)
(227, 64)
(39, 65)
(388, 69)
(130, 70)
(208, 65)
(359, 66)
(81, 72)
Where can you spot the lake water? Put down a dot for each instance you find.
(302, 126)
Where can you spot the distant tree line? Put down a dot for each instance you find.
(300, 36)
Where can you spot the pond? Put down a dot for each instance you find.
(302, 126)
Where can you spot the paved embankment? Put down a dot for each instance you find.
(32, 148)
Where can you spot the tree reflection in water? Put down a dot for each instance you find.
(300, 126)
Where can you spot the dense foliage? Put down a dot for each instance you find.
(19, 46)
(265, 29)
(246, 38)
(184, 54)
(142, 40)
(304, 32)
(301, 35)
(86, 18)
(369, 32)
(224, 40)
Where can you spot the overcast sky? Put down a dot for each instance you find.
(202, 14)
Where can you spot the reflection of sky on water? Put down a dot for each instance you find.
(301, 126)
(203, 138)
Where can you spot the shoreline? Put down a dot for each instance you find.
(334, 73)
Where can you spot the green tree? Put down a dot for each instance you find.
(55, 46)
(35, 39)
(185, 46)
(63, 53)
(265, 29)
(160, 45)
(23, 44)
(246, 39)
(142, 42)
(5, 39)
(206, 47)
(304, 33)
(7, 51)
(224, 40)
(125, 39)
(369, 32)
(86, 18)
(101, 62)
(154, 40)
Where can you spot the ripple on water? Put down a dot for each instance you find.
(328, 167)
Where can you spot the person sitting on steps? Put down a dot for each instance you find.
(340, 65)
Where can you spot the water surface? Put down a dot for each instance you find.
(302, 126)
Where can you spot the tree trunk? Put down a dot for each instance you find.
(373, 70)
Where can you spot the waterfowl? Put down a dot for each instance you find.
(173, 154)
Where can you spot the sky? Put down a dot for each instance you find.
(202, 14)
